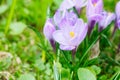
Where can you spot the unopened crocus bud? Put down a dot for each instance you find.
(48, 30)
(117, 10)
(93, 11)
(106, 20)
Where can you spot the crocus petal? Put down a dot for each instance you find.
(81, 31)
(67, 31)
(99, 6)
(95, 17)
(58, 17)
(118, 10)
(79, 26)
(79, 4)
(66, 47)
(118, 22)
(58, 36)
(66, 18)
(94, 9)
(83, 3)
(89, 8)
(49, 28)
(107, 19)
(66, 4)
(71, 17)
(83, 35)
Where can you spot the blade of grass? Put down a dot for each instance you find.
(42, 42)
(105, 37)
(115, 76)
(91, 45)
(66, 59)
(37, 33)
(10, 16)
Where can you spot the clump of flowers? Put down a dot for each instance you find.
(67, 29)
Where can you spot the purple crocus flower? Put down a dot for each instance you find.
(93, 11)
(117, 10)
(106, 20)
(117, 20)
(48, 30)
(70, 36)
(62, 19)
(67, 4)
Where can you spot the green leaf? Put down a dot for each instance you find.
(103, 77)
(85, 74)
(117, 68)
(107, 40)
(39, 65)
(3, 8)
(26, 77)
(96, 69)
(116, 76)
(87, 50)
(17, 28)
(65, 74)
(38, 33)
(91, 45)
(92, 61)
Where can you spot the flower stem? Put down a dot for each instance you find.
(52, 42)
(91, 26)
(73, 54)
(10, 16)
(115, 28)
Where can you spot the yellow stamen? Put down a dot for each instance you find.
(94, 4)
(72, 34)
